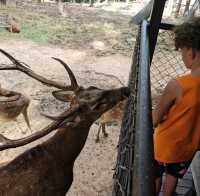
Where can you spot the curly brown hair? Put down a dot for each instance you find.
(188, 34)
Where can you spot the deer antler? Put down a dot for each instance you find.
(26, 69)
(74, 83)
(6, 143)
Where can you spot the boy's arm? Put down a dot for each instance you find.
(171, 92)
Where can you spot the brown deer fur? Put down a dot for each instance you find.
(113, 115)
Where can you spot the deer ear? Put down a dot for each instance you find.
(66, 96)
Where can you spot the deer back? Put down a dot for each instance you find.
(35, 172)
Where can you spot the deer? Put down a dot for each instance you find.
(113, 115)
(13, 25)
(12, 104)
(47, 168)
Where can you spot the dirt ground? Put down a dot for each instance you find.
(94, 167)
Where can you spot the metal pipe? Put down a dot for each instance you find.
(155, 21)
(167, 26)
(143, 175)
(122, 178)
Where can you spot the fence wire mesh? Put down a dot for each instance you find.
(166, 64)
(124, 167)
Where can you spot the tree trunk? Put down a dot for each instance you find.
(187, 7)
(193, 9)
(91, 3)
(170, 6)
(3, 2)
(178, 8)
(60, 5)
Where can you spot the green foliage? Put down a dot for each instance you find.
(73, 31)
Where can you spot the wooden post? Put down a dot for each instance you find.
(178, 8)
(3, 2)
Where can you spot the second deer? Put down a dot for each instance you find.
(112, 116)
(12, 104)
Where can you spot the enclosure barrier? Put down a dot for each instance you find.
(135, 142)
(134, 168)
(122, 179)
(143, 173)
(134, 173)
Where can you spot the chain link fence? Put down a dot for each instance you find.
(166, 64)
(124, 167)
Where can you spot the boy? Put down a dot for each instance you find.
(177, 116)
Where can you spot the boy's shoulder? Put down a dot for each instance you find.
(184, 78)
(188, 77)
(179, 79)
(188, 80)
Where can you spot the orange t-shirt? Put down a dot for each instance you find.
(177, 138)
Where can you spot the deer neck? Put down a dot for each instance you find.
(68, 142)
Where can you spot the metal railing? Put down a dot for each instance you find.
(122, 179)
(143, 175)
(134, 169)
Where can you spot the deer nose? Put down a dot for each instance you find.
(126, 91)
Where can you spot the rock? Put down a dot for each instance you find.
(98, 45)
